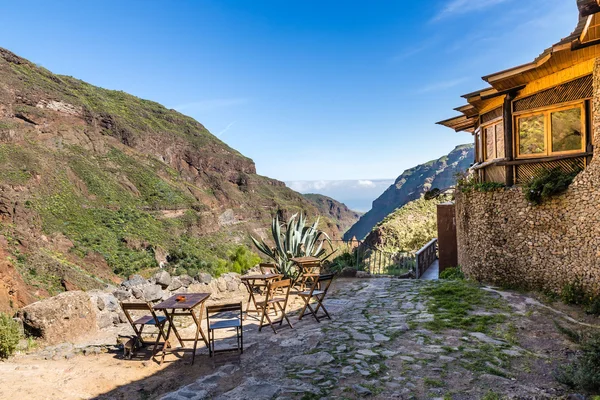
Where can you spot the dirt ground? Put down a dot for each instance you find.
(387, 339)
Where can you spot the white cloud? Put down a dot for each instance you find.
(366, 183)
(456, 7)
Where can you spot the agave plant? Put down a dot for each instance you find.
(294, 239)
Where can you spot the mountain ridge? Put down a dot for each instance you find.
(411, 184)
(97, 184)
(343, 216)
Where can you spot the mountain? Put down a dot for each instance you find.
(412, 184)
(408, 228)
(98, 184)
(343, 217)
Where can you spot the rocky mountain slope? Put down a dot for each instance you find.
(343, 217)
(408, 228)
(411, 185)
(97, 184)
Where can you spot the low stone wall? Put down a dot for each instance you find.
(71, 315)
(503, 239)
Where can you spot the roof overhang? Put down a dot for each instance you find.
(588, 7)
(461, 123)
(515, 79)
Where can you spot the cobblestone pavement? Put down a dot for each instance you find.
(392, 338)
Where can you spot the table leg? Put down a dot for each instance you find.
(251, 298)
(166, 344)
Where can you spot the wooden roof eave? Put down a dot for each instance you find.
(588, 7)
(460, 123)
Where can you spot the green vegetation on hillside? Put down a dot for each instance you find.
(410, 227)
(412, 184)
(98, 182)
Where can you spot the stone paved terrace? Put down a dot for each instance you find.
(389, 338)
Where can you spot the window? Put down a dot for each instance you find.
(551, 132)
(566, 129)
(532, 135)
(494, 141)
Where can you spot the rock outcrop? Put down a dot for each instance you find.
(412, 184)
(61, 318)
(97, 183)
(343, 217)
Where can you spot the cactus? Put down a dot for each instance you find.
(294, 239)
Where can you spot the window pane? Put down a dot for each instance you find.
(531, 135)
(489, 143)
(500, 140)
(566, 130)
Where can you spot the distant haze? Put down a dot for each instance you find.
(358, 194)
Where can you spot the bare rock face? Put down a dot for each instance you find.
(61, 318)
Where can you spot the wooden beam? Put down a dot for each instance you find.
(507, 115)
(589, 7)
(544, 159)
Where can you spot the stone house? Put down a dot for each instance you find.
(544, 114)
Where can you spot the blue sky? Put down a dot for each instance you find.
(311, 90)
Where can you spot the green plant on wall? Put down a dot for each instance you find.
(293, 239)
(547, 183)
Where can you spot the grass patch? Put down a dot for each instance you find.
(452, 304)
(430, 382)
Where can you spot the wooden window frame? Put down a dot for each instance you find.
(484, 128)
(547, 113)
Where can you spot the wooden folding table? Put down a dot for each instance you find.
(251, 284)
(186, 306)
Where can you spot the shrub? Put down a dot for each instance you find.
(10, 334)
(242, 260)
(432, 194)
(584, 372)
(470, 183)
(573, 293)
(547, 183)
(454, 273)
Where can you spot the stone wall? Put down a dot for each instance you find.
(502, 239)
(73, 315)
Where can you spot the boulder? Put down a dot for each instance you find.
(104, 319)
(135, 280)
(232, 285)
(152, 292)
(362, 274)
(348, 272)
(137, 292)
(203, 277)
(186, 280)
(60, 318)
(122, 295)
(163, 279)
(109, 301)
(222, 285)
(199, 288)
(175, 284)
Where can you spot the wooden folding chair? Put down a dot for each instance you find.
(268, 268)
(225, 324)
(139, 323)
(318, 291)
(309, 273)
(273, 299)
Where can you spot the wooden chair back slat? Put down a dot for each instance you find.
(267, 268)
(224, 307)
(136, 306)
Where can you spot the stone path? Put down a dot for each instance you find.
(389, 338)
